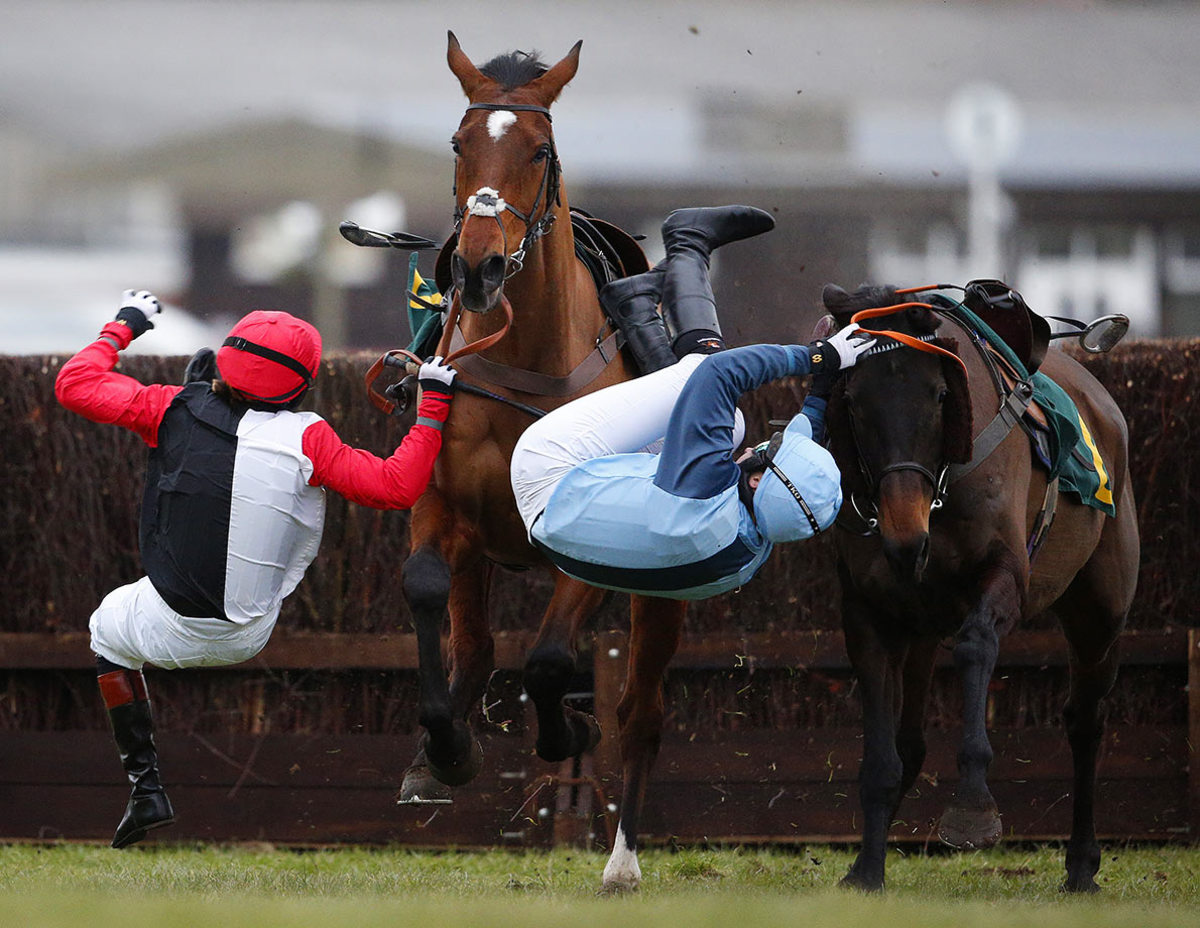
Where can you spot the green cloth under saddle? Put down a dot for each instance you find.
(1074, 457)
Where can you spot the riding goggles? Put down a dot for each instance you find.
(760, 458)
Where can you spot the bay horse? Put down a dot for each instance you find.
(515, 257)
(937, 544)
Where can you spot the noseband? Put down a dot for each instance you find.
(487, 201)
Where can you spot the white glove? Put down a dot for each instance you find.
(137, 306)
(436, 375)
(143, 301)
(848, 344)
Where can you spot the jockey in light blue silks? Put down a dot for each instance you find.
(689, 521)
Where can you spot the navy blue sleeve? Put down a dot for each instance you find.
(814, 409)
(697, 459)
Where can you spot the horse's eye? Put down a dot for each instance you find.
(541, 154)
(454, 146)
(942, 394)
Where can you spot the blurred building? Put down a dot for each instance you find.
(1055, 145)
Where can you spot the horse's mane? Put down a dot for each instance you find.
(514, 69)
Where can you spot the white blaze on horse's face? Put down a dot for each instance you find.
(498, 123)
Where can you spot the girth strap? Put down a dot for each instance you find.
(532, 382)
(1045, 518)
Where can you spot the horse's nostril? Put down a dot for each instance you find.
(491, 272)
(458, 271)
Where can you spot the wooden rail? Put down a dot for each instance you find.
(758, 786)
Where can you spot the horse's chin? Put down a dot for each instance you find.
(479, 302)
(908, 558)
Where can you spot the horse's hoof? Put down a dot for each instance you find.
(857, 881)
(419, 788)
(465, 760)
(969, 829)
(583, 734)
(618, 887)
(586, 728)
(1086, 885)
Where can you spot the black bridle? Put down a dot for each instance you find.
(939, 481)
(486, 201)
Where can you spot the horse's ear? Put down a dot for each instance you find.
(825, 327)
(837, 301)
(550, 85)
(469, 76)
(957, 421)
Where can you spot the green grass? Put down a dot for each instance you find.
(172, 887)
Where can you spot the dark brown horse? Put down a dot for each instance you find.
(515, 247)
(929, 555)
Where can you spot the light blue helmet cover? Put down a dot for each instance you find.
(811, 471)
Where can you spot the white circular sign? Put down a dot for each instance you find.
(983, 124)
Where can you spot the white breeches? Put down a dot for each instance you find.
(626, 417)
(133, 626)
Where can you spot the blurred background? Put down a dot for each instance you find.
(207, 150)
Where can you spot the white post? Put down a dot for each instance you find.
(983, 125)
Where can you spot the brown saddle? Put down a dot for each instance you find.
(1003, 310)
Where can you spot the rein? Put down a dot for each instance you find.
(909, 340)
(402, 357)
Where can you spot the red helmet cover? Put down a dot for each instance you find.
(263, 378)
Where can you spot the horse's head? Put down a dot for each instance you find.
(506, 173)
(899, 419)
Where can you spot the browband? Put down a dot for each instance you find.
(522, 107)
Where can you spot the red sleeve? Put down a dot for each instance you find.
(88, 385)
(363, 478)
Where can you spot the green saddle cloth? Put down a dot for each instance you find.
(1072, 454)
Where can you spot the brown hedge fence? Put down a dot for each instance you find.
(307, 743)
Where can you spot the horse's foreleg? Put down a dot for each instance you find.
(877, 664)
(435, 576)
(910, 736)
(426, 584)
(655, 628)
(562, 731)
(971, 820)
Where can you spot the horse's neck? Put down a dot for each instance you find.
(556, 314)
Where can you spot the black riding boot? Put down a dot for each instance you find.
(689, 237)
(133, 730)
(632, 304)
